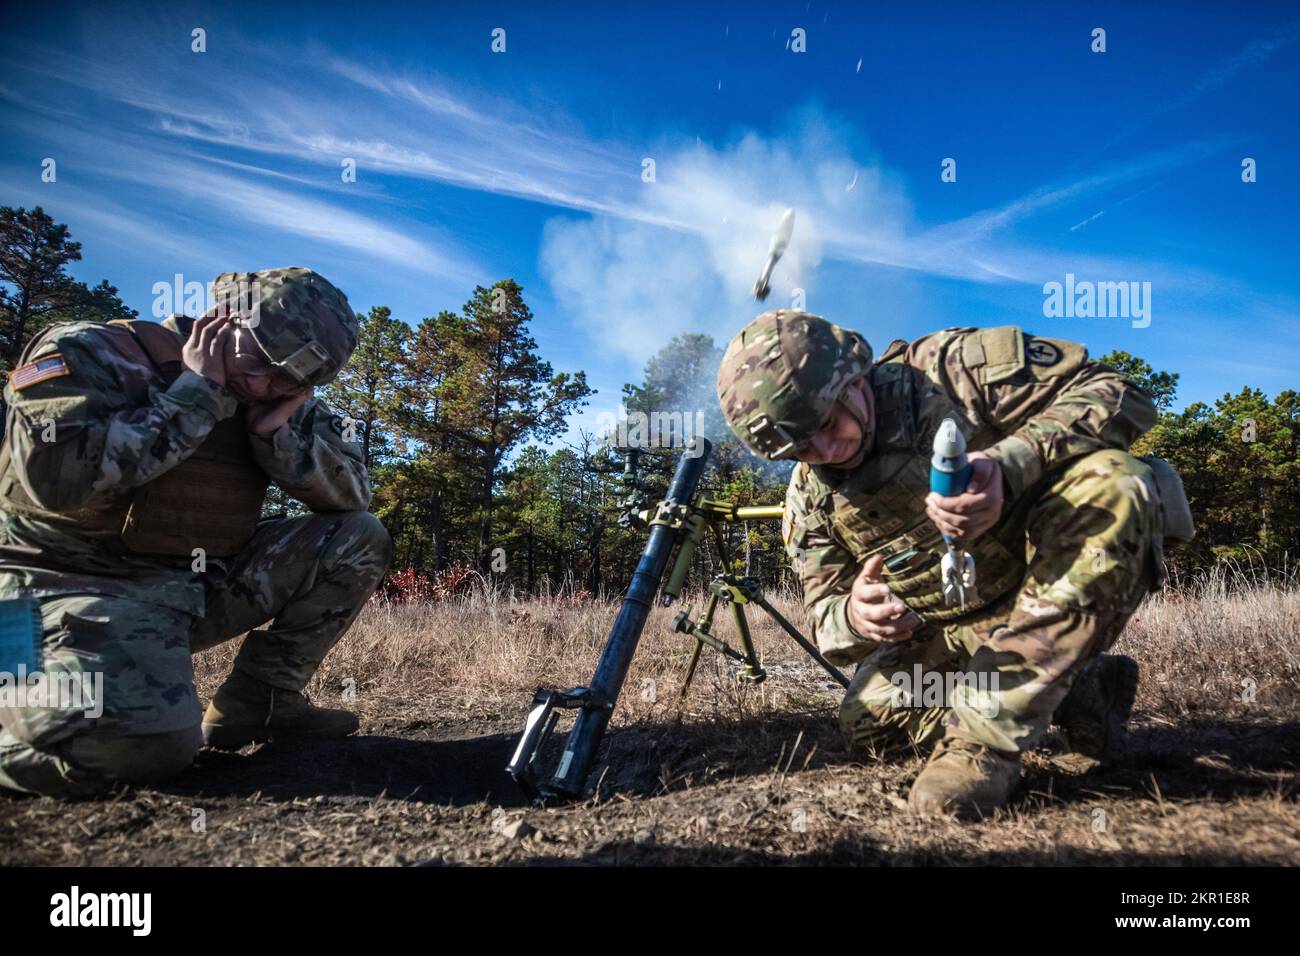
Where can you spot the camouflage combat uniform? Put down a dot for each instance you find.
(79, 443)
(1078, 544)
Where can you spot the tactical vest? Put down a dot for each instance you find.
(880, 507)
(210, 500)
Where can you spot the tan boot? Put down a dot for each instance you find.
(1094, 715)
(246, 711)
(964, 779)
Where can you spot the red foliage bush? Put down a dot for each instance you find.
(412, 587)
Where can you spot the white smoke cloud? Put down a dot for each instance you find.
(633, 284)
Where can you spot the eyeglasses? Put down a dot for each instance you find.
(253, 364)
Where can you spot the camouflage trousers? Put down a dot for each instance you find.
(1094, 549)
(307, 575)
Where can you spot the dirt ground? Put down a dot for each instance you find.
(764, 779)
(411, 790)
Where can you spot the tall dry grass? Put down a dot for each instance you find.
(1226, 642)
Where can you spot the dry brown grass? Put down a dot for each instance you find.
(1203, 650)
(485, 653)
(736, 774)
(1204, 647)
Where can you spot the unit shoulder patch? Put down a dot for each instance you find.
(1042, 352)
(44, 368)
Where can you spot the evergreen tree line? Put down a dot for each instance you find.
(463, 424)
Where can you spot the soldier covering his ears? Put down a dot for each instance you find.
(135, 461)
(1065, 526)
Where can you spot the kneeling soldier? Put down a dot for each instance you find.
(1065, 528)
(135, 462)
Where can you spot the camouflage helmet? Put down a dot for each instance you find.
(303, 324)
(781, 376)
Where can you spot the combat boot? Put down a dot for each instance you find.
(1094, 715)
(964, 779)
(246, 711)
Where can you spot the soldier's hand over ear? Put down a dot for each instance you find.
(266, 417)
(204, 352)
(970, 514)
(873, 610)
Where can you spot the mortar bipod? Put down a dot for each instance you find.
(737, 592)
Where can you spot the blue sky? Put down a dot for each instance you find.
(474, 165)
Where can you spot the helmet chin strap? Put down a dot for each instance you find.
(868, 429)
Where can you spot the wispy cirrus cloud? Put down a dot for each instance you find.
(258, 136)
(631, 287)
(239, 202)
(851, 207)
(221, 194)
(124, 224)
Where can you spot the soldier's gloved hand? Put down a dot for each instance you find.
(873, 610)
(204, 352)
(266, 417)
(968, 515)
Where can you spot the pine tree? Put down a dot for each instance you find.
(35, 288)
(367, 387)
(1161, 386)
(515, 395)
(429, 490)
(1240, 464)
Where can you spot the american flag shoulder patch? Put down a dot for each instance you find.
(45, 367)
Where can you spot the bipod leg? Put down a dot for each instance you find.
(752, 672)
(836, 674)
(695, 629)
(690, 670)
